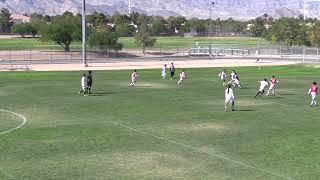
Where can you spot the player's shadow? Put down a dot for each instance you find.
(101, 93)
(244, 110)
(286, 94)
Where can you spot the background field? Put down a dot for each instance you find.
(158, 130)
(129, 43)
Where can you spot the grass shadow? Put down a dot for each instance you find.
(101, 93)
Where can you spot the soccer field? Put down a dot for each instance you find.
(158, 130)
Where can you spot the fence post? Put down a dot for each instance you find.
(50, 56)
(317, 55)
(304, 54)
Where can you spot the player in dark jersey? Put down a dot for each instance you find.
(89, 81)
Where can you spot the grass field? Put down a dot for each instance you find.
(129, 43)
(158, 130)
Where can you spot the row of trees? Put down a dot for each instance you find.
(104, 30)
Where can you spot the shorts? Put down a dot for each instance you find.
(229, 99)
(89, 84)
(272, 86)
(172, 73)
(313, 95)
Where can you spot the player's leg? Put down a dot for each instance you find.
(257, 94)
(233, 109)
(262, 92)
(269, 91)
(226, 106)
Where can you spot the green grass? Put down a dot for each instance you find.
(69, 136)
(17, 44)
(129, 43)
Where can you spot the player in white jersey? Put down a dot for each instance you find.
(229, 96)
(183, 76)
(263, 85)
(235, 80)
(223, 76)
(83, 85)
(272, 87)
(164, 71)
(134, 76)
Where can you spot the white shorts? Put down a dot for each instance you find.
(229, 99)
(84, 88)
(163, 74)
(261, 89)
(272, 86)
(236, 82)
(313, 95)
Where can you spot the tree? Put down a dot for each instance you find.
(289, 31)
(20, 28)
(259, 28)
(314, 35)
(6, 21)
(143, 37)
(159, 25)
(104, 40)
(125, 30)
(63, 30)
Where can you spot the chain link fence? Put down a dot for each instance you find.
(214, 51)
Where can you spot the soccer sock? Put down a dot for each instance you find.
(258, 93)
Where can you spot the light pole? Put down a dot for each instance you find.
(129, 7)
(210, 30)
(304, 24)
(84, 34)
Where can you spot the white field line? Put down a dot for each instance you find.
(203, 152)
(24, 121)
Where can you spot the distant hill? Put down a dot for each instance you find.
(237, 9)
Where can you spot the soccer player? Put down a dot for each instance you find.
(229, 98)
(263, 85)
(172, 70)
(314, 92)
(272, 87)
(223, 77)
(164, 71)
(83, 85)
(134, 76)
(89, 81)
(183, 76)
(236, 81)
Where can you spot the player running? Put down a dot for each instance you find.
(183, 76)
(134, 76)
(172, 70)
(164, 71)
(223, 76)
(89, 81)
(263, 85)
(314, 92)
(272, 87)
(235, 80)
(229, 96)
(83, 85)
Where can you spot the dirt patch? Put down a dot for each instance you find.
(126, 65)
(152, 164)
(199, 127)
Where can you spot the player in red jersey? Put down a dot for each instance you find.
(314, 92)
(272, 87)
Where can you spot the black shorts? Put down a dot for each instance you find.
(89, 84)
(172, 73)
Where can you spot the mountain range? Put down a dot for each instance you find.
(224, 9)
